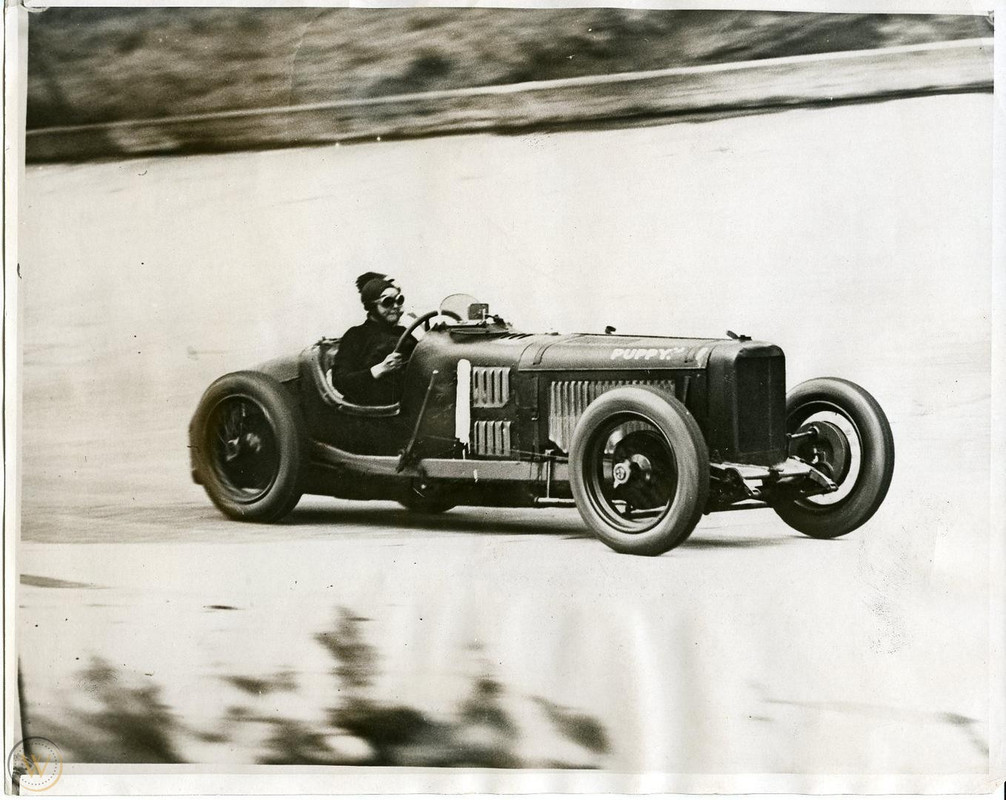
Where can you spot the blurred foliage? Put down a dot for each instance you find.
(480, 734)
(120, 718)
(126, 723)
(579, 728)
(356, 661)
(103, 64)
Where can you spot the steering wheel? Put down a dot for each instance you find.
(425, 321)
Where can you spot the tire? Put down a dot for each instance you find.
(861, 461)
(639, 470)
(250, 438)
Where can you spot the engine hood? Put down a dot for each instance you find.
(586, 351)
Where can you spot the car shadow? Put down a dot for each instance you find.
(491, 522)
(707, 542)
(565, 523)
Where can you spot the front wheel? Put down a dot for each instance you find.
(639, 470)
(249, 436)
(839, 429)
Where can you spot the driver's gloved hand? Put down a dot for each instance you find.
(392, 362)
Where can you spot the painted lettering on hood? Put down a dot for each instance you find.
(647, 353)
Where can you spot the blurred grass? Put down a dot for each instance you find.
(88, 65)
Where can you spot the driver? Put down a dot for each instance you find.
(365, 368)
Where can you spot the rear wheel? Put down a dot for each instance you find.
(249, 433)
(839, 429)
(639, 470)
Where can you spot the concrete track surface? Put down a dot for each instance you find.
(858, 238)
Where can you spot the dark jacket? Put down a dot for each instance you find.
(361, 348)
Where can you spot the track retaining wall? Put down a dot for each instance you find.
(722, 89)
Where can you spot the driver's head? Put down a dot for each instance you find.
(382, 299)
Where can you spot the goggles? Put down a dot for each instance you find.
(390, 302)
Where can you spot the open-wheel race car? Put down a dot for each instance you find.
(642, 434)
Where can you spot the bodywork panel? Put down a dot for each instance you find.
(283, 369)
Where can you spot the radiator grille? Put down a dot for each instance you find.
(761, 410)
(569, 399)
(491, 438)
(490, 387)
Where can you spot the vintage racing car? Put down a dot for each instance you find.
(642, 434)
